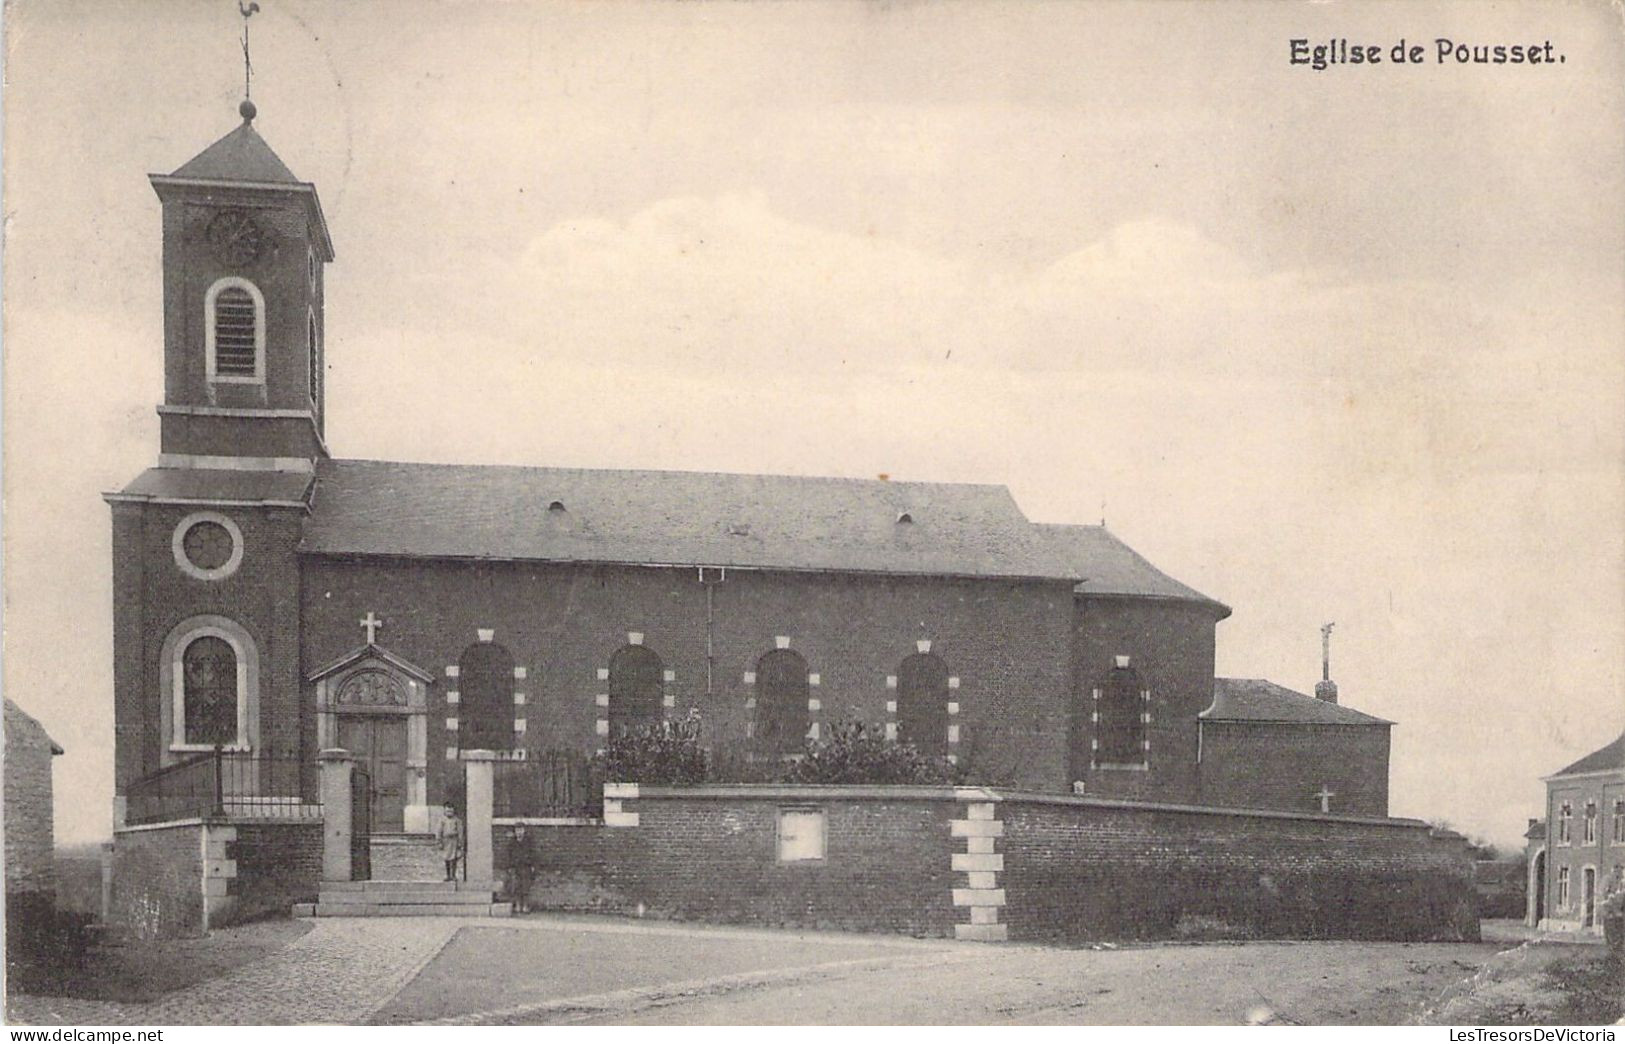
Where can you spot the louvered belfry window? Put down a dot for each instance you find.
(236, 346)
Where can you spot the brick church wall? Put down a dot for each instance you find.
(1350, 760)
(152, 595)
(1081, 869)
(1171, 645)
(1006, 642)
(1065, 869)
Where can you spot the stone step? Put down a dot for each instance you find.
(486, 909)
(405, 856)
(436, 885)
(404, 898)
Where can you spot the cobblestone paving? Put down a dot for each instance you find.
(339, 972)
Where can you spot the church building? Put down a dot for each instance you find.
(273, 600)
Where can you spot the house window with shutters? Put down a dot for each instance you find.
(636, 688)
(922, 703)
(782, 717)
(486, 708)
(234, 324)
(1120, 715)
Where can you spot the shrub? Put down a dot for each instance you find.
(660, 753)
(857, 753)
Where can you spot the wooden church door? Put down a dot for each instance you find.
(379, 744)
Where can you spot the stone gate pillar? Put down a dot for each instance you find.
(478, 792)
(337, 767)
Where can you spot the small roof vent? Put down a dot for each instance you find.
(556, 507)
(738, 529)
(905, 519)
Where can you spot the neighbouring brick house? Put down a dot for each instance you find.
(1577, 855)
(29, 822)
(272, 601)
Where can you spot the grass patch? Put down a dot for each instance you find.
(1592, 988)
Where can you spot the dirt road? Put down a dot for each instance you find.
(676, 975)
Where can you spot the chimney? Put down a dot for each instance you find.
(1326, 689)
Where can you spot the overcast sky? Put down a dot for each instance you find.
(1338, 345)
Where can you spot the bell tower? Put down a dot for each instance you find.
(244, 249)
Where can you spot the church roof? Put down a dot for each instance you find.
(216, 486)
(674, 518)
(241, 155)
(1611, 757)
(1258, 700)
(1105, 565)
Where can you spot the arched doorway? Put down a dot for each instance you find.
(1537, 889)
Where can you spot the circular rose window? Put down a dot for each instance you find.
(208, 546)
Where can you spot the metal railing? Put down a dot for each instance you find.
(555, 784)
(222, 785)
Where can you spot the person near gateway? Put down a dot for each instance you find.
(450, 838)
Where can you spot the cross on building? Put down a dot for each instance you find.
(370, 624)
(1325, 794)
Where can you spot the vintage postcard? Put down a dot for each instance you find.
(826, 513)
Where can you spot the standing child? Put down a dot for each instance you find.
(449, 838)
(521, 867)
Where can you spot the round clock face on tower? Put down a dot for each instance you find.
(235, 238)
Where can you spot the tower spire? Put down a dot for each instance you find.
(247, 10)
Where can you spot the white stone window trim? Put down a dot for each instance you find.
(242, 647)
(1144, 764)
(209, 298)
(177, 544)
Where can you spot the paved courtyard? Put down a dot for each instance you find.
(594, 970)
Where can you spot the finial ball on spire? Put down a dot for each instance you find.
(247, 110)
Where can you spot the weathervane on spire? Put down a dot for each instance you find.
(247, 10)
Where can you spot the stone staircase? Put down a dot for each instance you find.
(407, 882)
(405, 899)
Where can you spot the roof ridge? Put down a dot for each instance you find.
(878, 482)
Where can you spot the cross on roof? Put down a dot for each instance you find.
(370, 624)
(1325, 794)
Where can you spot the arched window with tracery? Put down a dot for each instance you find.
(782, 717)
(234, 322)
(209, 692)
(485, 710)
(636, 688)
(1120, 719)
(922, 703)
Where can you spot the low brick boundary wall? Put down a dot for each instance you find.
(976, 863)
(1079, 869)
(185, 877)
